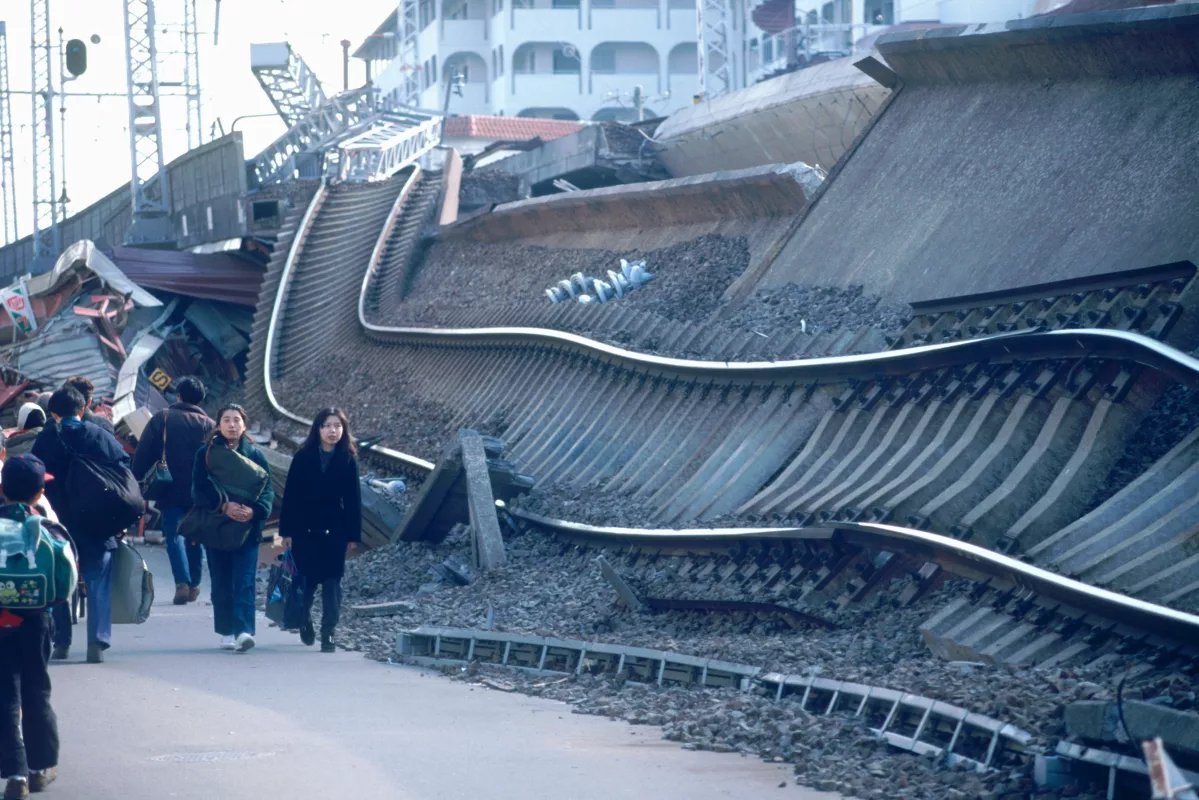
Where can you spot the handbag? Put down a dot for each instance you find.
(278, 588)
(132, 586)
(158, 480)
(213, 529)
(210, 527)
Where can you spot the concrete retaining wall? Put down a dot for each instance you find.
(812, 116)
(1055, 149)
(742, 195)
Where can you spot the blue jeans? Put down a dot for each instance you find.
(96, 571)
(187, 558)
(97, 577)
(231, 573)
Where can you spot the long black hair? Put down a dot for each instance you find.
(345, 449)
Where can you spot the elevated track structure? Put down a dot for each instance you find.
(966, 455)
(985, 425)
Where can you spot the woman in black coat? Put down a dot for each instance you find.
(321, 520)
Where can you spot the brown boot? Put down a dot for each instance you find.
(193, 594)
(181, 592)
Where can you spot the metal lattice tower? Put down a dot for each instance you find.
(292, 86)
(47, 243)
(714, 19)
(409, 52)
(7, 164)
(191, 74)
(151, 201)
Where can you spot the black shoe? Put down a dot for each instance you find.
(38, 781)
(61, 652)
(95, 653)
(307, 634)
(327, 644)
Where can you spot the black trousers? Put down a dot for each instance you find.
(330, 602)
(29, 728)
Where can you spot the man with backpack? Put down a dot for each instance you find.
(174, 435)
(65, 442)
(38, 570)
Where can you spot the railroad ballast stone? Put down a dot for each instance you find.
(551, 589)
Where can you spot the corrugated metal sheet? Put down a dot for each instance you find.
(125, 395)
(218, 329)
(67, 347)
(209, 276)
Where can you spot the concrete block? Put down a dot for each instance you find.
(1099, 721)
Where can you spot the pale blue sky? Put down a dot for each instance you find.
(97, 144)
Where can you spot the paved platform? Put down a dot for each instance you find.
(169, 715)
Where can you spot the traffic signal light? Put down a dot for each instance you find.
(76, 57)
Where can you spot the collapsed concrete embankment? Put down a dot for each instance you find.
(1052, 149)
(760, 203)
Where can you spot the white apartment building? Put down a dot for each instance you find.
(607, 59)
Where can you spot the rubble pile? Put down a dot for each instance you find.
(550, 589)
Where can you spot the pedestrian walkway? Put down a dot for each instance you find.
(169, 715)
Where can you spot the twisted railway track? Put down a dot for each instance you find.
(976, 445)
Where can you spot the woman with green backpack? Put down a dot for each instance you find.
(232, 496)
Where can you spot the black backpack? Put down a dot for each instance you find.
(104, 498)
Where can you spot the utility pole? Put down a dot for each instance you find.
(8, 185)
(148, 183)
(191, 74)
(47, 242)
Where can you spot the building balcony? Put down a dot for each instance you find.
(620, 24)
(544, 24)
(545, 89)
(464, 33)
(620, 84)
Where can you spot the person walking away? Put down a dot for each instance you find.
(86, 388)
(174, 435)
(321, 518)
(65, 435)
(232, 572)
(29, 727)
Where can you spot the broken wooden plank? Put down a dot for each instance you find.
(487, 543)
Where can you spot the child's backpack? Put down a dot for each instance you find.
(37, 564)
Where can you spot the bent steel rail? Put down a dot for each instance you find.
(297, 245)
(961, 558)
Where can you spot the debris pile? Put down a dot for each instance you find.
(550, 589)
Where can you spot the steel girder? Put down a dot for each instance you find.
(293, 88)
(393, 142)
(409, 53)
(7, 164)
(714, 21)
(46, 236)
(346, 114)
(151, 200)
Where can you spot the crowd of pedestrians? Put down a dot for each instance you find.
(214, 494)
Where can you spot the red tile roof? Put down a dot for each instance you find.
(519, 129)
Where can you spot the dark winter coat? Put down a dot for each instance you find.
(54, 446)
(204, 491)
(187, 427)
(322, 512)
